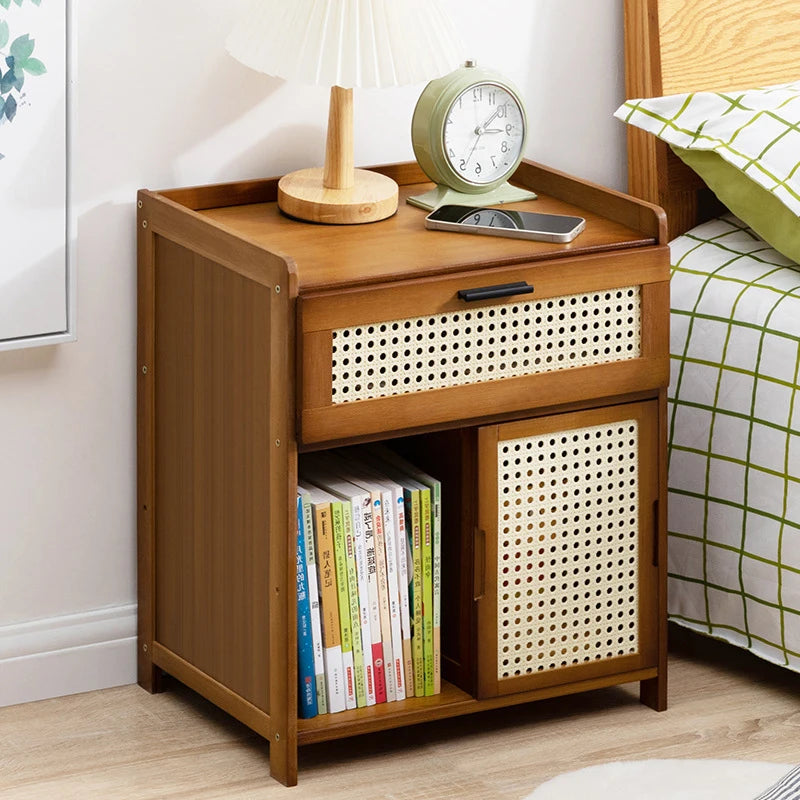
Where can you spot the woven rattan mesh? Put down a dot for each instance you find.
(487, 343)
(567, 548)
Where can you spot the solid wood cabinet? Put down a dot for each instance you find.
(543, 414)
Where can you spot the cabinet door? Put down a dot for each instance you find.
(567, 587)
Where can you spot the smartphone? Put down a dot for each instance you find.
(501, 222)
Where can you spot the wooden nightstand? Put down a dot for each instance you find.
(543, 414)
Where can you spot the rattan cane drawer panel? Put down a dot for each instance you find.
(491, 342)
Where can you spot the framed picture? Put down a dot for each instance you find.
(37, 224)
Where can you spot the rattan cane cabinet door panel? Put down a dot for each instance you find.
(568, 586)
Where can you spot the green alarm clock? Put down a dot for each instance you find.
(468, 133)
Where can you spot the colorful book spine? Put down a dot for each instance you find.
(383, 596)
(306, 688)
(363, 598)
(427, 586)
(374, 602)
(313, 597)
(352, 591)
(345, 627)
(329, 608)
(436, 500)
(392, 573)
(415, 587)
(404, 562)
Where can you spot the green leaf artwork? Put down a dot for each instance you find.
(19, 61)
(6, 3)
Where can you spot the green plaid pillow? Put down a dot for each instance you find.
(746, 147)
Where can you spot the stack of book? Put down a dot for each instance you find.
(368, 580)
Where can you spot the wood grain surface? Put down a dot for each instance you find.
(400, 247)
(730, 44)
(125, 744)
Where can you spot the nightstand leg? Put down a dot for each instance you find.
(653, 692)
(283, 760)
(151, 677)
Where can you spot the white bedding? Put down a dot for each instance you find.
(734, 441)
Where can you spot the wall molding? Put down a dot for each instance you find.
(67, 654)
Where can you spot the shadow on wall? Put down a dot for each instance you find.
(33, 298)
(156, 75)
(32, 175)
(573, 99)
(294, 139)
(28, 361)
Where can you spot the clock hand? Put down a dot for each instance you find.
(482, 128)
(472, 150)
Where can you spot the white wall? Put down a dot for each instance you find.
(160, 104)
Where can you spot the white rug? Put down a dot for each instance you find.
(673, 779)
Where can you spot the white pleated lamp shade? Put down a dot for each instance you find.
(348, 43)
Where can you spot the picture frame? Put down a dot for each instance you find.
(38, 277)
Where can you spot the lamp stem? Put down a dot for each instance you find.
(339, 168)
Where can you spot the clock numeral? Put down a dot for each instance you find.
(492, 97)
(450, 152)
(477, 94)
(502, 110)
(504, 147)
(462, 165)
(509, 128)
(478, 169)
(494, 162)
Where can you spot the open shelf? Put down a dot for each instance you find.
(452, 702)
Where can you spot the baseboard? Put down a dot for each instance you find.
(68, 654)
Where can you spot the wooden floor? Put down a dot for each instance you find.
(125, 743)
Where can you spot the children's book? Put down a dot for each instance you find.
(329, 606)
(306, 686)
(343, 591)
(313, 597)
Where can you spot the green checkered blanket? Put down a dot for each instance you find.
(734, 440)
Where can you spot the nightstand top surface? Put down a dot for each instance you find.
(400, 247)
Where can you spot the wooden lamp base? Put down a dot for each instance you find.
(338, 193)
(304, 195)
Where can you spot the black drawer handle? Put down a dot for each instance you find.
(489, 292)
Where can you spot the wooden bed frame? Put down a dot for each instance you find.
(676, 46)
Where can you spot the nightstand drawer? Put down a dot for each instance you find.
(410, 354)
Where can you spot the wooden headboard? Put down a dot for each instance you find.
(674, 46)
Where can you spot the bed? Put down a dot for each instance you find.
(734, 404)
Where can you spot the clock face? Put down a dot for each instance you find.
(483, 133)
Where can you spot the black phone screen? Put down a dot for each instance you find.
(502, 218)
